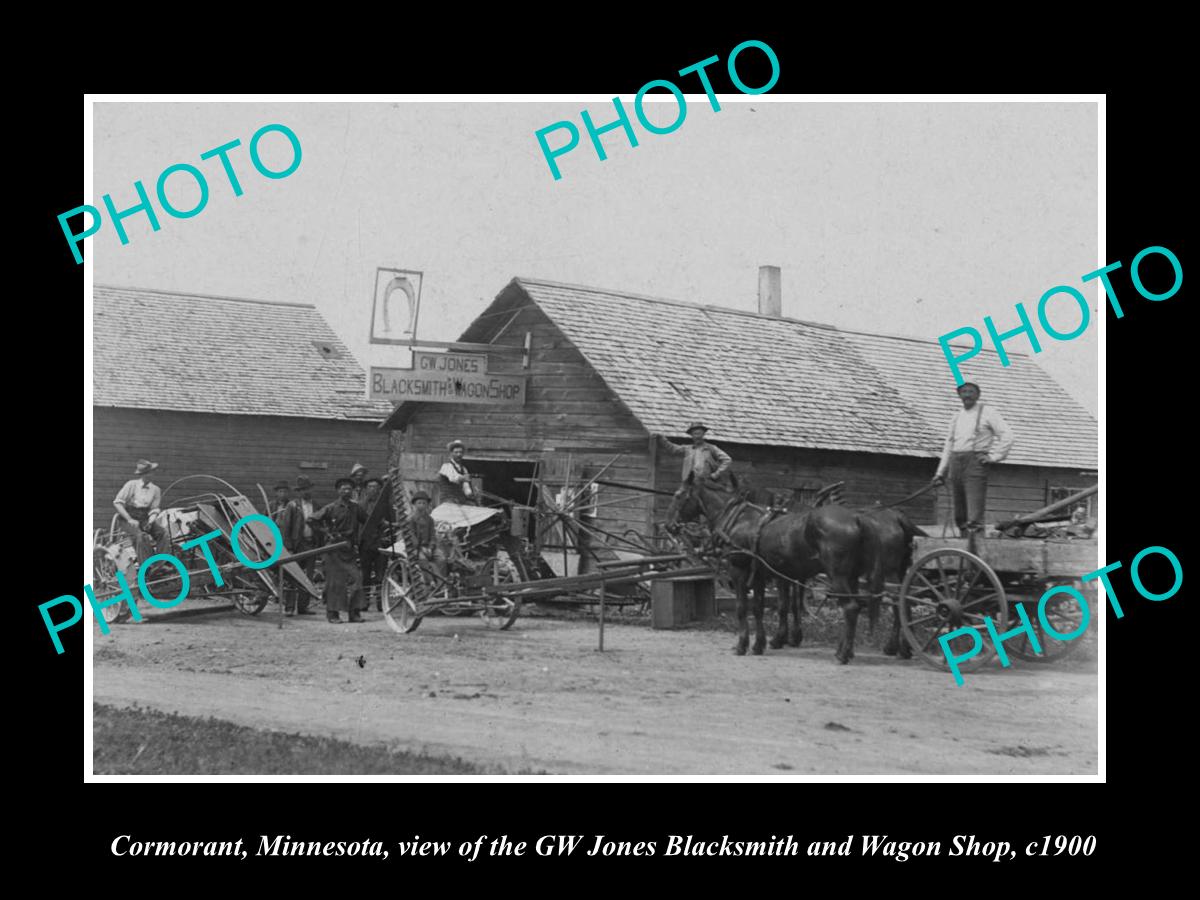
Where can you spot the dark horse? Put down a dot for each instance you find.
(794, 545)
(892, 534)
(791, 593)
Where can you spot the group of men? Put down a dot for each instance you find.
(352, 573)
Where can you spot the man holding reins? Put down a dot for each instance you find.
(455, 479)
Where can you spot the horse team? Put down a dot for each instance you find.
(791, 546)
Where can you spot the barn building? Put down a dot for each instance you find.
(247, 390)
(796, 404)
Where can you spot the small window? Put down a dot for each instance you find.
(327, 350)
(1062, 493)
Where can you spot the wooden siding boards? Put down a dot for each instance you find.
(243, 450)
(570, 414)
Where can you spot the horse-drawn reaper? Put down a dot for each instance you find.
(213, 569)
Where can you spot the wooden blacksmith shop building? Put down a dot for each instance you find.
(250, 391)
(796, 404)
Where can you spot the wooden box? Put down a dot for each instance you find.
(677, 601)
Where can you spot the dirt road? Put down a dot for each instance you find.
(540, 697)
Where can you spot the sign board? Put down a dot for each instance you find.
(426, 386)
(449, 363)
(395, 306)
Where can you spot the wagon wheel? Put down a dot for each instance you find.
(945, 590)
(1063, 614)
(250, 603)
(500, 612)
(400, 608)
(104, 580)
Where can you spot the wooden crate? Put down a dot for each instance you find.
(677, 601)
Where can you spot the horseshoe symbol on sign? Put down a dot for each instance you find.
(402, 285)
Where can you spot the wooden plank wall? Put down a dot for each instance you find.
(1013, 490)
(868, 477)
(241, 449)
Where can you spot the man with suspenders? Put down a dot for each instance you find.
(978, 438)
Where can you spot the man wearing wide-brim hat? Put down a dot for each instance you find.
(342, 520)
(978, 439)
(138, 505)
(701, 459)
(429, 548)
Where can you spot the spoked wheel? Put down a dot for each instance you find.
(500, 612)
(945, 590)
(250, 603)
(1064, 615)
(104, 580)
(399, 605)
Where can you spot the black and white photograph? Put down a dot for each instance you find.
(526, 438)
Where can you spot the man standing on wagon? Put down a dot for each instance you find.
(342, 520)
(977, 440)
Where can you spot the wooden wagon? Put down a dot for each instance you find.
(951, 585)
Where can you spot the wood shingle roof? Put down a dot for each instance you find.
(194, 353)
(764, 380)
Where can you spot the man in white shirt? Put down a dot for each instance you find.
(978, 438)
(454, 477)
(138, 504)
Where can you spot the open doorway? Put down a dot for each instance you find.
(506, 482)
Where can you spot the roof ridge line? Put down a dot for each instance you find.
(751, 314)
(115, 287)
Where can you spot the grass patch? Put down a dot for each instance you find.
(141, 741)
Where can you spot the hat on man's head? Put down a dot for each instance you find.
(374, 480)
(345, 479)
(967, 384)
(696, 425)
(358, 467)
(450, 446)
(144, 466)
(421, 495)
(283, 486)
(303, 483)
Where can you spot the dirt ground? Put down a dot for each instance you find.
(540, 697)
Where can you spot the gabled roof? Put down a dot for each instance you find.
(758, 379)
(195, 353)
